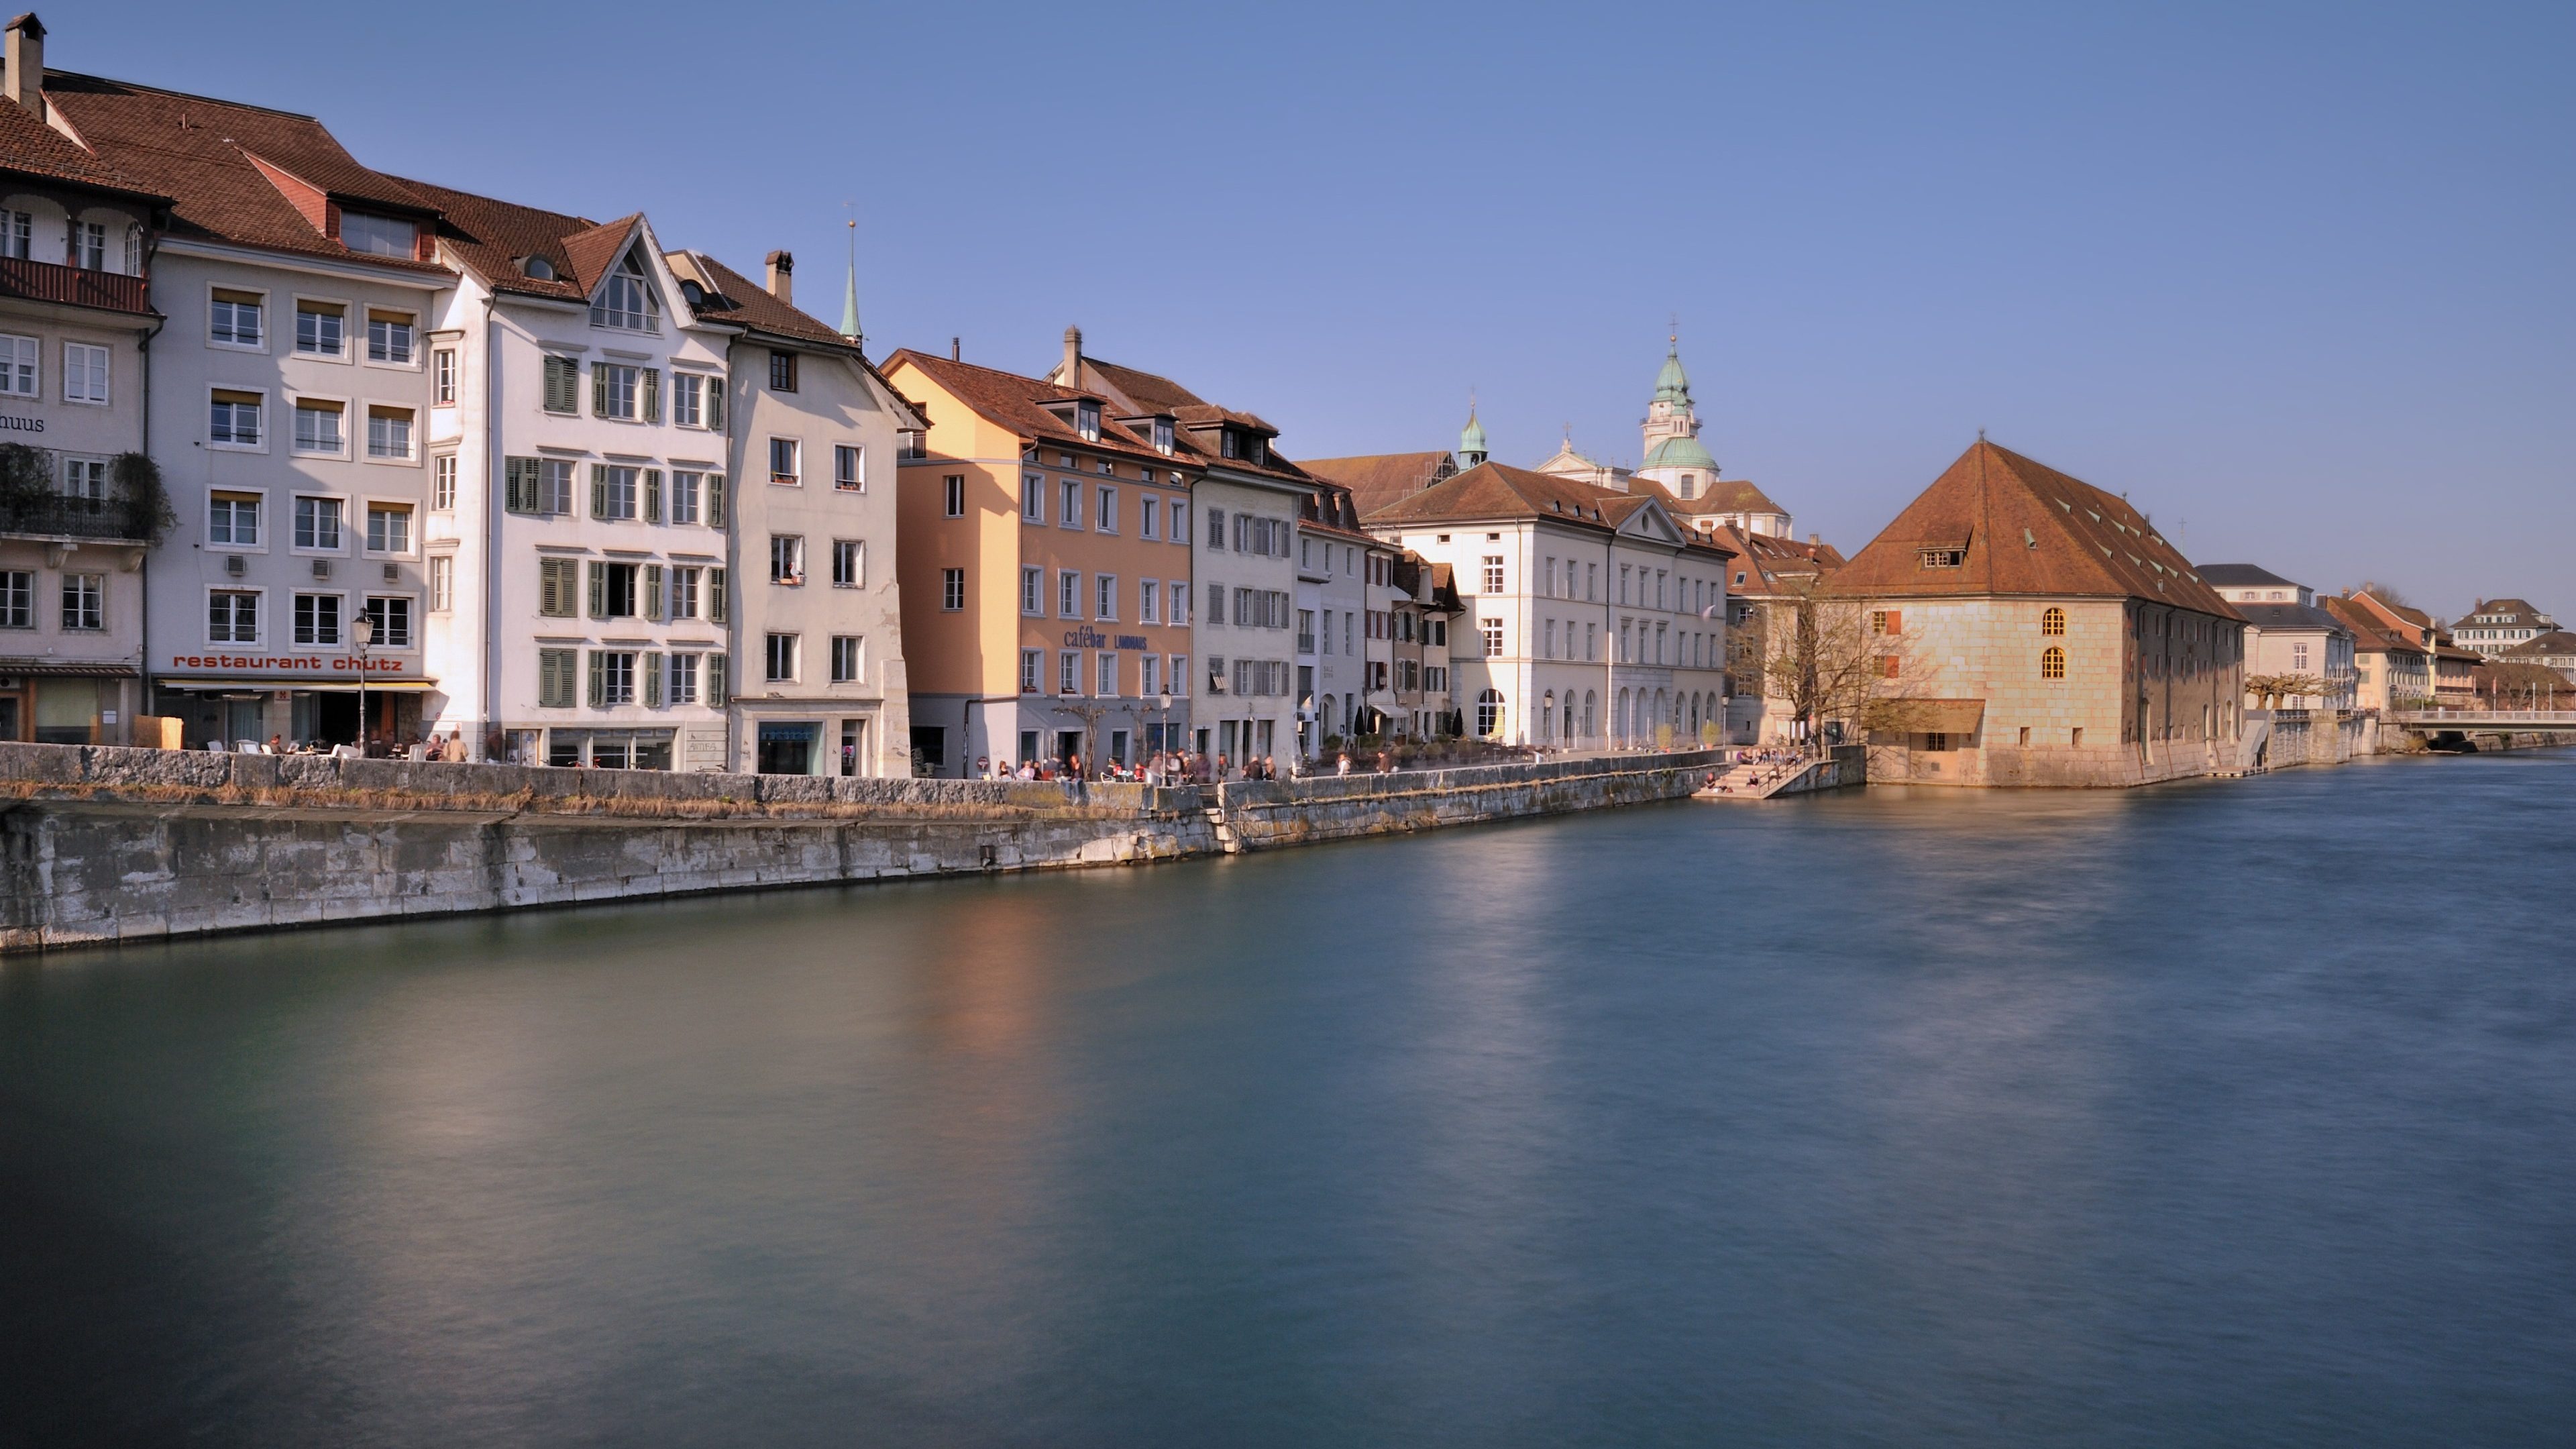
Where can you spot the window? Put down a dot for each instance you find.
(1489, 712)
(1107, 522)
(1148, 594)
(1180, 530)
(1145, 514)
(848, 661)
(786, 466)
(84, 601)
(2299, 658)
(1032, 663)
(563, 384)
(624, 391)
(317, 619)
(317, 426)
(389, 432)
(1176, 674)
(1890, 666)
(1216, 529)
(320, 329)
(1887, 621)
(1104, 679)
(849, 563)
(317, 523)
(442, 583)
(1179, 593)
(786, 558)
(1033, 591)
(1493, 632)
(1033, 498)
(687, 392)
(554, 678)
(613, 590)
(1105, 596)
(89, 245)
(1086, 419)
(1068, 594)
(850, 474)
(1493, 573)
(389, 336)
(952, 495)
(237, 319)
(684, 496)
(84, 373)
(556, 584)
(390, 614)
(1069, 509)
(626, 300)
(540, 486)
(911, 443)
(381, 236)
(1942, 558)
(21, 367)
(232, 616)
(442, 375)
(85, 481)
(684, 679)
(780, 653)
(952, 589)
(17, 599)
(232, 519)
(613, 490)
(2052, 621)
(782, 372)
(388, 528)
(684, 591)
(1145, 673)
(612, 678)
(1068, 673)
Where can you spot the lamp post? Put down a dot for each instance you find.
(361, 634)
(1166, 749)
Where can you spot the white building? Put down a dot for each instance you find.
(1592, 618)
(1332, 619)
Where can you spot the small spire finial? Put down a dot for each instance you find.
(1981, 435)
(850, 296)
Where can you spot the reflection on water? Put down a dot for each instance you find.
(2202, 1115)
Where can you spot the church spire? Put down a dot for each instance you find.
(850, 297)
(1471, 439)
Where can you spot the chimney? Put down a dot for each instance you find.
(26, 59)
(1072, 375)
(956, 349)
(782, 277)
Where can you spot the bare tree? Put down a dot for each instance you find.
(1090, 714)
(1832, 661)
(2385, 593)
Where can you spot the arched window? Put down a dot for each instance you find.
(2052, 663)
(1489, 712)
(2052, 622)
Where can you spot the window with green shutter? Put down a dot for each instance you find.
(599, 490)
(599, 389)
(718, 682)
(554, 678)
(715, 596)
(555, 588)
(519, 478)
(652, 591)
(563, 384)
(598, 589)
(650, 407)
(651, 698)
(715, 500)
(715, 404)
(598, 695)
(652, 510)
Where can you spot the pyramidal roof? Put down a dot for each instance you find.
(2024, 528)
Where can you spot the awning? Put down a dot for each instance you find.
(317, 686)
(1940, 716)
(64, 669)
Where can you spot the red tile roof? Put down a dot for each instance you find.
(1379, 479)
(1726, 495)
(29, 147)
(2025, 529)
(1008, 400)
(1500, 491)
(494, 238)
(207, 155)
(1765, 560)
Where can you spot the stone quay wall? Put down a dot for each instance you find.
(1269, 814)
(102, 844)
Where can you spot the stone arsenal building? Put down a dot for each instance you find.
(2039, 631)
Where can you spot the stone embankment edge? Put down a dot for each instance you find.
(103, 844)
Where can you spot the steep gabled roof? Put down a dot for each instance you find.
(2370, 634)
(494, 237)
(1147, 390)
(1008, 400)
(733, 297)
(1765, 560)
(1378, 479)
(229, 168)
(29, 147)
(2024, 528)
(1727, 495)
(1498, 490)
(596, 251)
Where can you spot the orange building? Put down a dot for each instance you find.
(1043, 545)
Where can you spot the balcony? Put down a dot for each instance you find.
(34, 281)
(55, 516)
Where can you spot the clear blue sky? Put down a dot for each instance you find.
(2296, 277)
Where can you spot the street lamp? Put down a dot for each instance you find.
(361, 634)
(1166, 750)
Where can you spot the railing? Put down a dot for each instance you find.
(37, 281)
(2500, 712)
(57, 516)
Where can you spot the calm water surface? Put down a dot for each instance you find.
(2227, 1115)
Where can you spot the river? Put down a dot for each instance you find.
(2232, 1114)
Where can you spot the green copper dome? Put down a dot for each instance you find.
(1679, 453)
(1670, 384)
(1471, 439)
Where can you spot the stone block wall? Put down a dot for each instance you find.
(1269, 814)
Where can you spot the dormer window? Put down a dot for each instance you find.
(1944, 558)
(625, 300)
(1086, 419)
(696, 294)
(1253, 450)
(1163, 436)
(1231, 443)
(537, 268)
(378, 236)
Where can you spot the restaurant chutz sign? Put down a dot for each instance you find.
(300, 666)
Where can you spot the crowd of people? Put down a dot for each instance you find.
(1173, 767)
